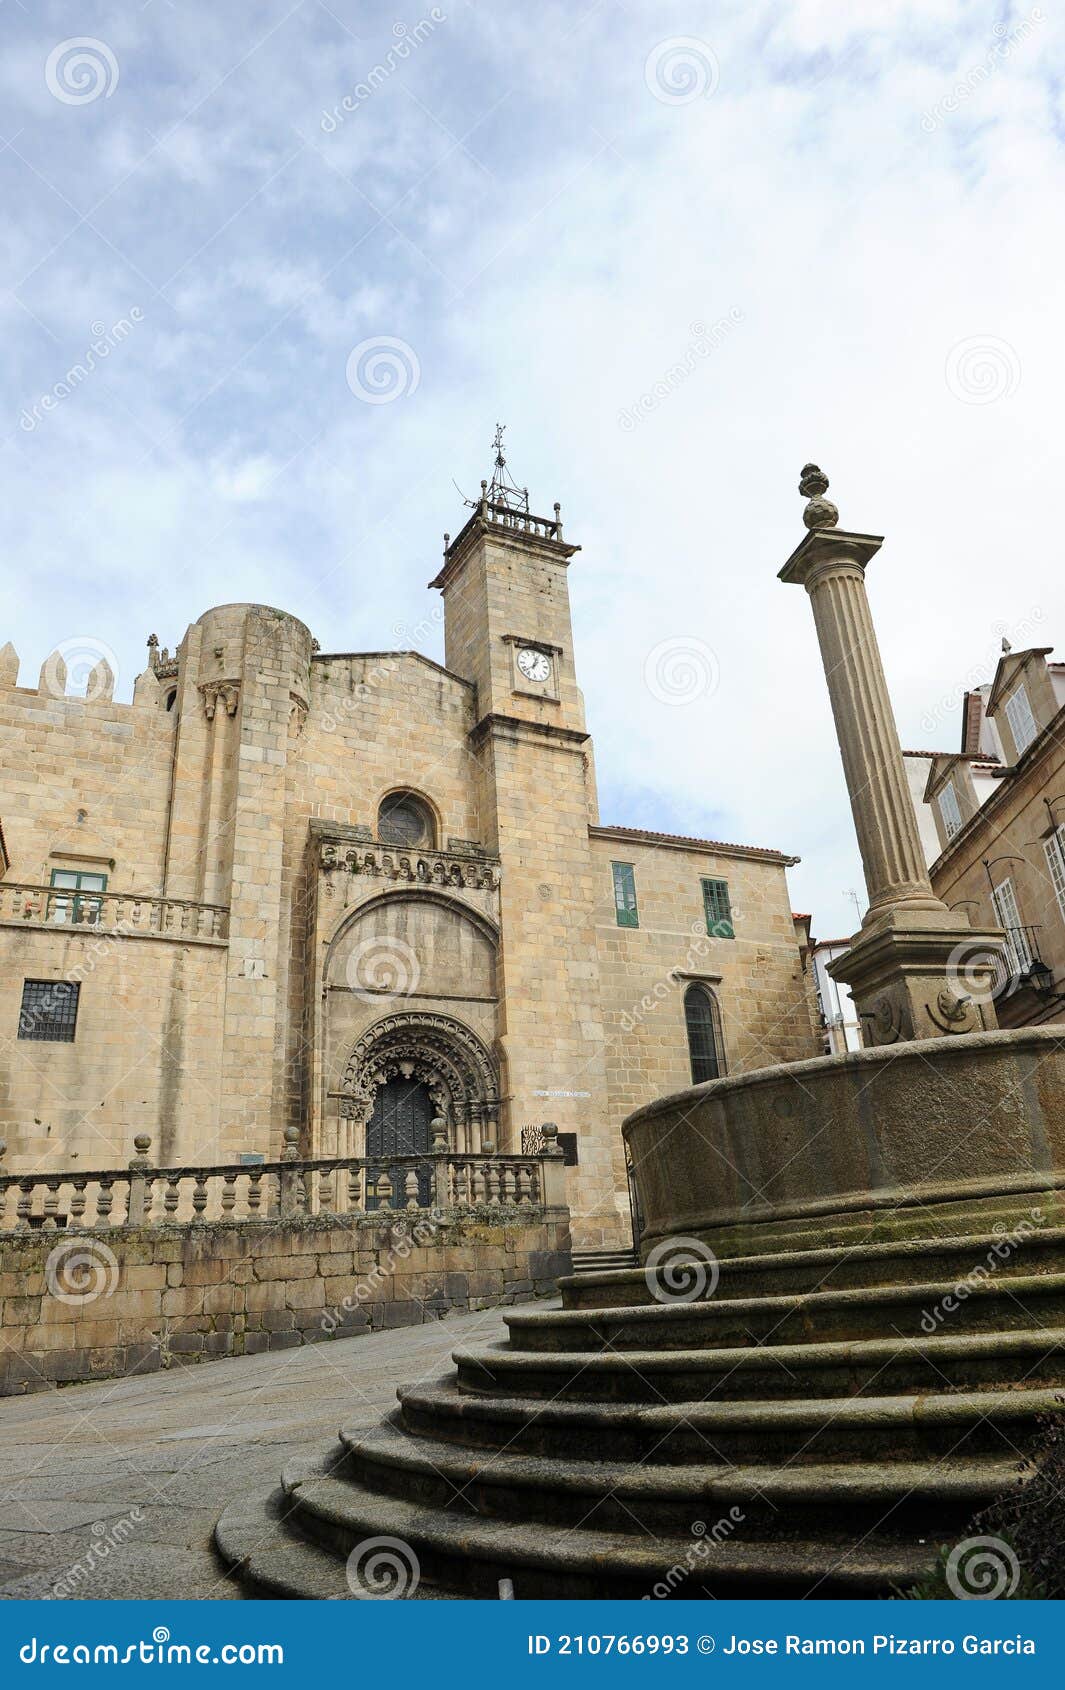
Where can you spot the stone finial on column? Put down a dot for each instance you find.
(912, 953)
(819, 512)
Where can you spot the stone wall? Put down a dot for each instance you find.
(757, 977)
(922, 1121)
(107, 1302)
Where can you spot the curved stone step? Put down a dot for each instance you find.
(821, 1502)
(793, 1272)
(975, 1212)
(463, 1550)
(769, 1370)
(847, 1428)
(259, 1547)
(816, 1317)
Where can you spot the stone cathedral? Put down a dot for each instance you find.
(349, 893)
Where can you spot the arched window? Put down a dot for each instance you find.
(404, 819)
(703, 1020)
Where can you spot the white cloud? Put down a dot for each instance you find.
(552, 280)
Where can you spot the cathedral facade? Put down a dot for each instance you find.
(352, 893)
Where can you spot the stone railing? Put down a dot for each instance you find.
(135, 914)
(504, 516)
(142, 1195)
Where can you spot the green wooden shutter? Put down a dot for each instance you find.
(625, 895)
(717, 909)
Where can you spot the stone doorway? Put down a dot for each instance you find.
(399, 1126)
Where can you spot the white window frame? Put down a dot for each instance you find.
(1018, 950)
(1054, 848)
(950, 810)
(1020, 718)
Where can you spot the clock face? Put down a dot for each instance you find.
(534, 665)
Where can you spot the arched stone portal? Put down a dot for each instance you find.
(434, 1050)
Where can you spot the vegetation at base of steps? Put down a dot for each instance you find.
(1028, 1523)
(941, 1585)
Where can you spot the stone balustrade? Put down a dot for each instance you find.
(117, 914)
(142, 1195)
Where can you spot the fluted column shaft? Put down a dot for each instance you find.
(868, 738)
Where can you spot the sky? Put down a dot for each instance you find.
(306, 256)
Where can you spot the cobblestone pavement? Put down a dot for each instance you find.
(178, 1446)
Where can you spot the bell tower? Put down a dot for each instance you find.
(507, 629)
(506, 606)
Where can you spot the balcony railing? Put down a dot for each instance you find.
(113, 913)
(1020, 964)
(287, 1189)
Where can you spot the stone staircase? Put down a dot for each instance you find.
(603, 1261)
(801, 1432)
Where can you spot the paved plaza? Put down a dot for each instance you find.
(178, 1446)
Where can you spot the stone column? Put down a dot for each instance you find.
(916, 969)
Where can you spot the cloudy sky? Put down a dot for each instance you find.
(678, 249)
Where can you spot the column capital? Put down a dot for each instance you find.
(825, 549)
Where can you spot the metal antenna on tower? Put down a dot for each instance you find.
(503, 490)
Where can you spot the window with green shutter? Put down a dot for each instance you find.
(717, 909)
(625, 895)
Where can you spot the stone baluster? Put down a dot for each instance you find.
(328, 1192)
(354, 1190)
(384, 1189)
(255, 1191)
(229, 1193)
(77, 1198)
(104, 1199)
(171, 1196)
(460, 1174)
(411, 1188)
(138, 1168)
(24, 1207)
(199, 1195)
(51, 1204)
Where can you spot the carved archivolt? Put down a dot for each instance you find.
(416, 868)
(435, 1049)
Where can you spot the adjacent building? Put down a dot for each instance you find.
(994, 815)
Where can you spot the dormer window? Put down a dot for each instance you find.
(1021, 721)
(950, 810)
(404, 819)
